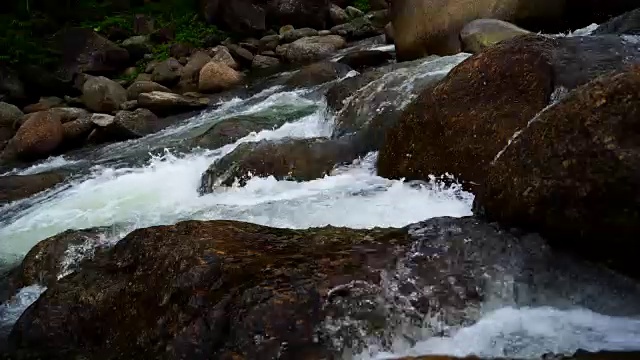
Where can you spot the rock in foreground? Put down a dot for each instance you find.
(574, 173)
(223, 289)
(16, 187)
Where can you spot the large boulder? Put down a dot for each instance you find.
(163, 103)
(313, 48)
(167, 72)
(264, 62)
(44, 104)
(68, 114)
(246, 17)
(572, 174)
(191, 71)
(420, 31)
(299, 13)
(76, 132)
(139, 87)
(289, 159)
(138, 46)
(482, 33)
(9, 114)
(231, 289)
(318, 73)
(17, 187)
(241, 55)
(625, 24)
(462, 124)
(216, 77)
(103, 95)
(37, 138)
(337, 15)
(84, 51)
(221, 54)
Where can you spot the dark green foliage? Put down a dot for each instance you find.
(363, 5)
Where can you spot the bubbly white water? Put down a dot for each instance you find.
(163, 190)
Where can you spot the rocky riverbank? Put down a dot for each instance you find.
(541, 128)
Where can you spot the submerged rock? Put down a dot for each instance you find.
(572, 174)
(17, 187)
(482, 33)
(289, 159)
(231, 130)
(232, 289)
(460, 125)
(318, 73)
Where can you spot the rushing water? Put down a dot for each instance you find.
(154, 181)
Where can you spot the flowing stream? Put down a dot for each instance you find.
(154, 180)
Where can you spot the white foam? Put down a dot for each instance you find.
(51, 163)
(11, 310)
(526, 333)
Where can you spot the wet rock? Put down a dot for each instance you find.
(313, 48)
(338, 15)
(482, 33)
(216, 77)
(471, 115)
(103, 95)
(176, 288)
(167, 72)
(44, 104)
(290, 159)
(17, 187)
(318, 73)
(269, 43)
(55, 257)
(221, 54)
(388, 33)
(243, 56)
(572, 173)
(263, 62)
(76, 132)
(231, 130)
(37, 138)
(357, 29)
(162, 103)
(139, 87)
(138, 46)
(625, 24)
(84, 51)
(353, 12)
(340, 92)
(360, 60)
(9, 114)
(143, 77)
(293, 35)
(129, 105)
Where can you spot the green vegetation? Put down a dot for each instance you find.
(25, 31)
(362, 5)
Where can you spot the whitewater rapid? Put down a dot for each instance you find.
(153, 181)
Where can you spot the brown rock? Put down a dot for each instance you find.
(263, 62)
(126, 125)
(17, 187)
(221, 54)
(318, 73)
(360, 60)
(103, 95)
(9, 114)
(139, 87)
(37, 138)
(572, 174)
(44, 104)
(338, 15)
(291, 159)
(215, 77)
(269, 43)
(313, 48)
(167, 72)
(162, 103)
(241, 55)
(76, 132)
(68, 114)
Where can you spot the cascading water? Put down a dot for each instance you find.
(154, 180)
